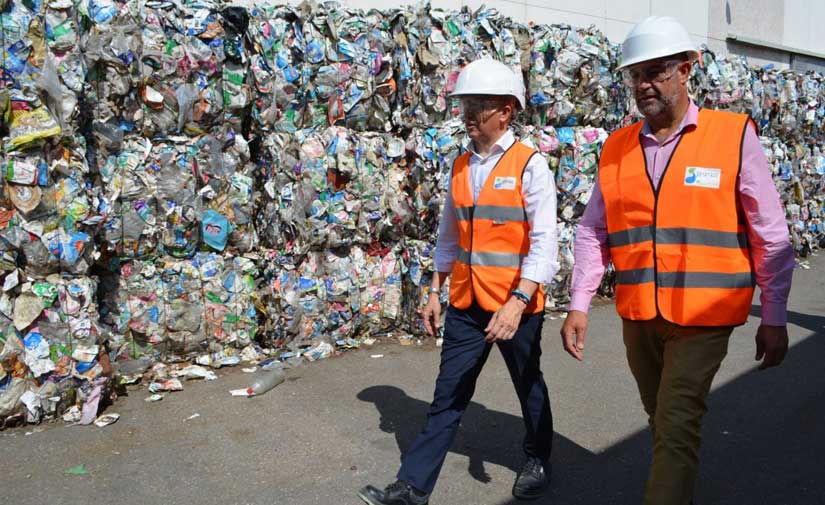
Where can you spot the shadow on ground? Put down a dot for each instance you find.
(764, 439)
(812, 322)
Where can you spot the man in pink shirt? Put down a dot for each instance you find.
(681, 288)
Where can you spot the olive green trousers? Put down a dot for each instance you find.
(674, 367)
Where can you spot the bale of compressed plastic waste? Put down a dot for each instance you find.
(209, 182)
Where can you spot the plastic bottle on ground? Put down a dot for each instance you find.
(265, 381)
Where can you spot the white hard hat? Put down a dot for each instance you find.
(489, 77)
(656, 37)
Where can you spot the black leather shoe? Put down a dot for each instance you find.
(532, 481)
(397, 493)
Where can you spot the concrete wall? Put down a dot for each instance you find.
(791, 23)
(803, 24)
(780, 23)
(758, 19)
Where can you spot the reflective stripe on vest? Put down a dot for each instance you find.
(493, 212)
(490, 259)
(685, 279)
(680, 251)
(679, 236)
(493, 236)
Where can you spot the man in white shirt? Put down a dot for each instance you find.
(497, 241)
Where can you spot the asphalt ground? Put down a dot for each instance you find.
(337, 425)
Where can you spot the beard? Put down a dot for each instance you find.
(653, 103)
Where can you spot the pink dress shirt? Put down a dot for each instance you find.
(770, 246)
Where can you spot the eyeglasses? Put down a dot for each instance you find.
(656, 74)
(473, 107)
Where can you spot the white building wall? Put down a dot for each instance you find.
(757, 19)
(803, 25)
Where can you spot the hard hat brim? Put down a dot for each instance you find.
(692, 53)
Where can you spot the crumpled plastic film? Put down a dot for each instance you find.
(319, 64)
(799, 173)
(112, 48)
(129, 195)
(47, 179)
(572, 154)
(136, 311)
(51, 344)
(169, 307)
(572, 78)
(52, 338)
(419, 267)
(789, 111)
(792, 106)
(181, 67)
(433, 48)
(228, 193)
(333, 296)
(783, 103)
(178, 201)
(43, 72)
(333, 188)
(723, 83)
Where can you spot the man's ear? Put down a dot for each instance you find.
(511, 108)
(684, 71)
(509, 111)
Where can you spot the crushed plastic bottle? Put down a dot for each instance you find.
(264, 381)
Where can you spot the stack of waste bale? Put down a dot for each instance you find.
(52, 355)
(210, 182)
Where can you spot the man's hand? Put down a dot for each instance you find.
(572, 333)
(505, 321)
(432, 314)
(772, 344)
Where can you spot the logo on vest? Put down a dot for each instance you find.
(504, 183)
(703, 177)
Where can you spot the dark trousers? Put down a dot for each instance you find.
(463, 355)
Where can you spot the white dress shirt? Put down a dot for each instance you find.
(539, 193)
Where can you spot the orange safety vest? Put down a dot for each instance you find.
(493, 236)
(680, 251)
